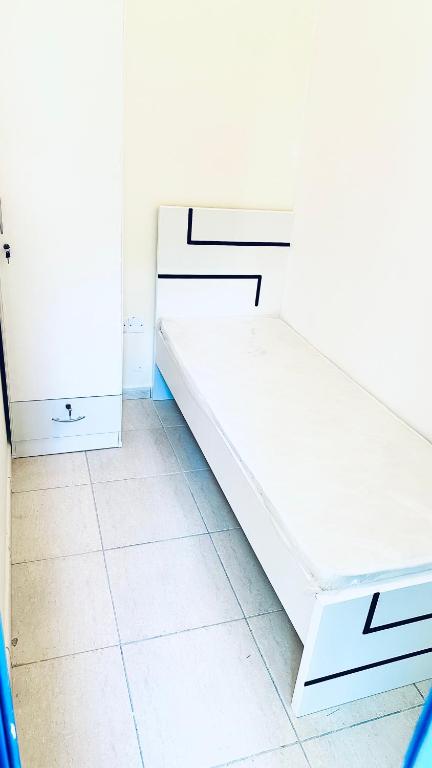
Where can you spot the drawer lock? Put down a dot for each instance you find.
(70, 418)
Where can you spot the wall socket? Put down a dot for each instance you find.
(133, 324)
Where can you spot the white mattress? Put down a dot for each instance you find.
(348, 484)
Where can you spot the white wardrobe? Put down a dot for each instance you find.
(61, 191)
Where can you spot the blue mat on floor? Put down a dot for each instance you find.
(419, 753)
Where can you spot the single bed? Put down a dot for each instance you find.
(333, 490)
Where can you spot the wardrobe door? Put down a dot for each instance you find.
(60, 188)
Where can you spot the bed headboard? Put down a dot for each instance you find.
(220, 261)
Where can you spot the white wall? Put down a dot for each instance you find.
(359, 282)
(214, 97)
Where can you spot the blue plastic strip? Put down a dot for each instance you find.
(160, 390)
(9, 752)
(4, 757)
(419, 754)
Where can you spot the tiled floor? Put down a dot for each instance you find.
(146, 633)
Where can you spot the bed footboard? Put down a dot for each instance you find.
(361, 644)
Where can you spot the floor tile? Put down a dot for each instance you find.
(424, 687)
(282, 649)
(169, 413)
(145, 452)
(203, 698)
(169, 586)
(217, 513)
(286, 757)
(61, 606)
(377, 744)
(55, 522)
(186, 448)
(59, 469)
(139, 414)
(138, 511)
(75, 713)
(251, 585)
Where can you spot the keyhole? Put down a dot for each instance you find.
(69, 409)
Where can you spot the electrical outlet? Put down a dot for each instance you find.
(133, 324)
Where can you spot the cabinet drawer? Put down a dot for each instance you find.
(39, 419)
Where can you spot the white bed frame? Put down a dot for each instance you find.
(359, 640)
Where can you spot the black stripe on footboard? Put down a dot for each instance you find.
(191, 241)
(374, 664)
(368, 628)
(258, 279)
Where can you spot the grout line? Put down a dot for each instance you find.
(141, 428)
(191, 490)
(363, 722)
(64, 656)
(116, 622)
(181, 631)
(133, 479)
(176, 454)
(157, 414)
(158, 541)
(109, 549)
(130, 546)
(147, 639)
(56, 557)
(172, 446)
(142, 639)
(283, 747)
(265, 613)
(354, 725)
(180, 471)
(132, 706)
(101, 482)
(103, 552)
(416, 686)
(51, 487)
(277, 691)
(219, 558)
(159, 425)
(181, 423)
(176, 538)
(199, 469)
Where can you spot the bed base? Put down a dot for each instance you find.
(357, 641)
